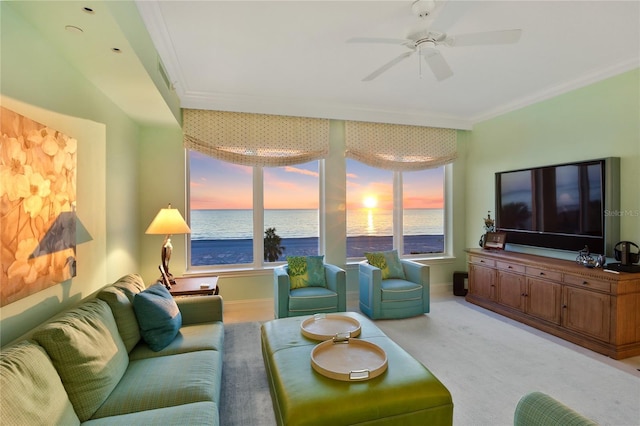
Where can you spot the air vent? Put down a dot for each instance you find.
(164, 75)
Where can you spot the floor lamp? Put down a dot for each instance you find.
(167, 222)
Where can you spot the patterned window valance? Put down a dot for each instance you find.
(256, 139)
(399, 147)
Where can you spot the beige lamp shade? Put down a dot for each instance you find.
(168, 221)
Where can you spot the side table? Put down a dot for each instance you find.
(195, 286)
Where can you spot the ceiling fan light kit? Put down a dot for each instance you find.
(425, 41)
(423, 8)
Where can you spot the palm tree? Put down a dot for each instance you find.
(272, 248)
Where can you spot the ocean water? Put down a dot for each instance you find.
(225, 237)
(238, 224)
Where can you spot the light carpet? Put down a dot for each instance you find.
(485, 360)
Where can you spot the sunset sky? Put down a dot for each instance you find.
(219, 185)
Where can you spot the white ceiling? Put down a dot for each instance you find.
(291, 58)
(120, 74)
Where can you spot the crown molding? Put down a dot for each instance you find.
(157, 28)
(583, 81)
(315, 109)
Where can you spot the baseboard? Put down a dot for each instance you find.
(266, 305)
(248, 305)
(442, 289)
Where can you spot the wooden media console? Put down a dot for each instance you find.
(591, 307)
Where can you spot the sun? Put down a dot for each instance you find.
(370, 201)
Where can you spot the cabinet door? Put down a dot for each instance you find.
(511, 289)
(482, 281)
(543, 299)
(587, 312)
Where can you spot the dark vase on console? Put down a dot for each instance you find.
(489, 226)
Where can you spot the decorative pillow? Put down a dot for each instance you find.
(88, 353)
(130, 284)
(32, 393)
(120, 296)
(315, 270)
(158, 316)
(306, 271)
(388, 262)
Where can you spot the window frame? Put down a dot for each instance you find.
(398, 218)
(258, 221)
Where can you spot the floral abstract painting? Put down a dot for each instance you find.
(37, 206)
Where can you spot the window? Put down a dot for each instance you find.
(265, 210)
(221, 211)
(369, 209)
(418, 203)
(423, 211)
(291, 207)
(229, 202)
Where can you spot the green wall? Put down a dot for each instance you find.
(38, 82)
(162, 181)
(596, 121)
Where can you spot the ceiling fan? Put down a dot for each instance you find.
(424, 40)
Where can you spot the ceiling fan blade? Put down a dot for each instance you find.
(379, 40)
(437, 63)
(388, 65)
(489, 37)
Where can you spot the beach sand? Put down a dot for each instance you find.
(230, 252)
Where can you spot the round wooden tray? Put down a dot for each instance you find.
(348, 360)
(326, 326)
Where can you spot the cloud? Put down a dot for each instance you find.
(290, 169)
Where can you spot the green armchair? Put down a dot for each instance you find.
(309, 300)
(394, 297)
(539, 409)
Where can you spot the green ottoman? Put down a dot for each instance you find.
(406, 393)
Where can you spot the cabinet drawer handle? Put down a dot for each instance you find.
(509, 267)
(585, 282)
(541, 273)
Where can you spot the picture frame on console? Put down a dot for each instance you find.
(495, 240)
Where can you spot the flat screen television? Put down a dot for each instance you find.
(564, 207)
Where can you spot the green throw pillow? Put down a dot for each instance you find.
(306, 271)
(158, 315)
(388, 262)
(120, 297)
(377, 259)
(87, 352)
(32, 391)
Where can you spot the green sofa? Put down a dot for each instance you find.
(89, 365)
